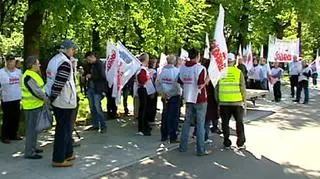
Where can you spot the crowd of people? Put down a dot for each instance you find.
(180, 81)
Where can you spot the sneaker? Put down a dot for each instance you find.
(227, 143)
(296, 101)
(139, 133)
(39, 151)
(62, 164)
(241, 147)
(6, 141)
(102, 130)
(72, 157)
(208, 141)
(207, 152)
(36, 156)
(175, 141)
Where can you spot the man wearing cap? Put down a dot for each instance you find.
(232, 97)
(10, 90)
(61, 90)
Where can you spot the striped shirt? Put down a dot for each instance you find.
(63, 75)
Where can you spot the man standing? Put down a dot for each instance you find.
(264, 74)
(276, 74)
(192, 77)
(295, 69)
(232, 98)
(243, 69)
(61, 90)
(170, 90)
(96, 87)
(255, 74)
(304, 83)
(10, 90)
(146, 91)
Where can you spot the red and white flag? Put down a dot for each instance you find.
(111, 64)
(249, 60)
(219, 61)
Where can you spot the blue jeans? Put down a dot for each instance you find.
(207, 129)
(62, 147)
(170, 119)
(303, 85)
(200, 111)
(95, 98)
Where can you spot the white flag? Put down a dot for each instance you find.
(239, 55)
(184, 54)
(218, 62)
(127, 66)
(206, 54)
(111, 64)
(162, 62)
(261, 52)
(249, 60)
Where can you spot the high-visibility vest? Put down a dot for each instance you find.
(28, 100)
(229, 86)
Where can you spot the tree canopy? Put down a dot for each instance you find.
(30, 27)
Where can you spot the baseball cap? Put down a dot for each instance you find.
(231, 57)
(67, 44)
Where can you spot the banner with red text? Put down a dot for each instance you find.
(218, 60)
(282, 50)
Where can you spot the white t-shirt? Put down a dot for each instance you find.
(10, 84)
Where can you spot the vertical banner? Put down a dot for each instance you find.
(218, 62)
(206, 54)
(111, 63)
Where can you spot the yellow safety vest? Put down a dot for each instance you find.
(229, 86)
(28, 100)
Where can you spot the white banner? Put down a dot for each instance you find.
(184, 54)
(120, 67)
(206, 54)
(111, 64)
(282, 50)
(248, 61)
(219, 61)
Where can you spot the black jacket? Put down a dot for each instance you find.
(98, 76)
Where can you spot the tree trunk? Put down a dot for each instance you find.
(244, 24)
(31, 30)
(96, 39)
(299, 35)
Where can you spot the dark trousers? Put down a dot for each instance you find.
(153, 108)
(125, 94)
(293, 83)
(144, 111)
(255, 84)
(303, 85)
(10, 120)
(170, 119)
(237, 112)
(111, 104)
(314, 78)
(277, 91)
(62, 147)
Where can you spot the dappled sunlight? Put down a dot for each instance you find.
(220, 166)
(147, 161)
(17, 154)
(288, 168)
(185, 174)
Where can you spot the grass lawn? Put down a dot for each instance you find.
(84, 115)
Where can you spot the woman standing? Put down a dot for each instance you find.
(10, 81)
(33, 98)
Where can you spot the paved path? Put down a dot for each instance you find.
(271, 138)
